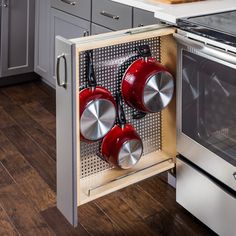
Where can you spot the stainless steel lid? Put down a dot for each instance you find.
(158, 91)
(97, 119)
(130, 153)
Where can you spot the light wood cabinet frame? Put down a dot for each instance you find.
(71, 190)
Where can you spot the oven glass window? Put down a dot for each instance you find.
(209, 104)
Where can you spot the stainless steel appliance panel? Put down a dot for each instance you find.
(205, 200)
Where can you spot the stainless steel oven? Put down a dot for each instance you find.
(206, 105)
(206, 130)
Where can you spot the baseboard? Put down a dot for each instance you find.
(48, 83)
(171, 180)
(17, 79)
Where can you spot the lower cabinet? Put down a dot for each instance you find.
(142, 18)
(42, 63)
(97, 29)
(16, 37)
(67, 26)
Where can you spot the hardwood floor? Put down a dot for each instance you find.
(28, 181)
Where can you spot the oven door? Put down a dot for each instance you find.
(206, 108)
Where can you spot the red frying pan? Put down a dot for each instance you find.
(97, 107)
(147, 85)
(122, 146)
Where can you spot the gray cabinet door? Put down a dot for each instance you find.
(17, 37)
(42, 38)
(67, 26)
(143, 18)
(97, 29)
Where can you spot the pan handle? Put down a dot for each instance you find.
(144, 51)
(120, 110)
(92, 83)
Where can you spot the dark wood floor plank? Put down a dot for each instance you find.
(25, 93)
(28, 180)
(153, 213)
(31, 92)
(96, 222)
(6, 226)
(124, 216)
(60, 225)
(45, 140)
(165, 194)
(5, 119)
(36, 111)
(41, 162)
(22, 214)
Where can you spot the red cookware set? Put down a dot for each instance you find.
(146, 86)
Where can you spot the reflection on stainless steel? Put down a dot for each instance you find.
(97, 119)
(193, 90)
(130, 153)
(217, 80)
(158, 91)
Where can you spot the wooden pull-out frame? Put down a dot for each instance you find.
(72, 191)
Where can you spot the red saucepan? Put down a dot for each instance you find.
(122, 146)
(97, 107)
(147, 85)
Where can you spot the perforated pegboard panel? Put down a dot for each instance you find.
(109, 62)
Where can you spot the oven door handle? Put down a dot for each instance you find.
(206, 49)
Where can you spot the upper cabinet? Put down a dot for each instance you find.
(17, 37)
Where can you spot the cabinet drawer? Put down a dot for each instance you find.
(97, 29)
(142, 18)
(81, 8)
(111, 15)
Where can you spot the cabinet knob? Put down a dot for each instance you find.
(5, 3)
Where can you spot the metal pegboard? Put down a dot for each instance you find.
(109, 63)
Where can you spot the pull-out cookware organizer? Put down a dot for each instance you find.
(82, 174)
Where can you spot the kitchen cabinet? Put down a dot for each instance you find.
(112, 15)
(142, 18)
(82, 175)
(17, 37)
(42, 39)
(67, 26)
(80, 8)
(97, 29)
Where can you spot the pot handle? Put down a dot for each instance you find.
(144, 51)
(92, 83)
(120, 110)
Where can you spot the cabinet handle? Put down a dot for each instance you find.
(5, 3)
(73, 3)
(109, 15)
(61, 84)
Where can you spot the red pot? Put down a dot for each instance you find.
(97, 108)
(147, 85)
(122, 146)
